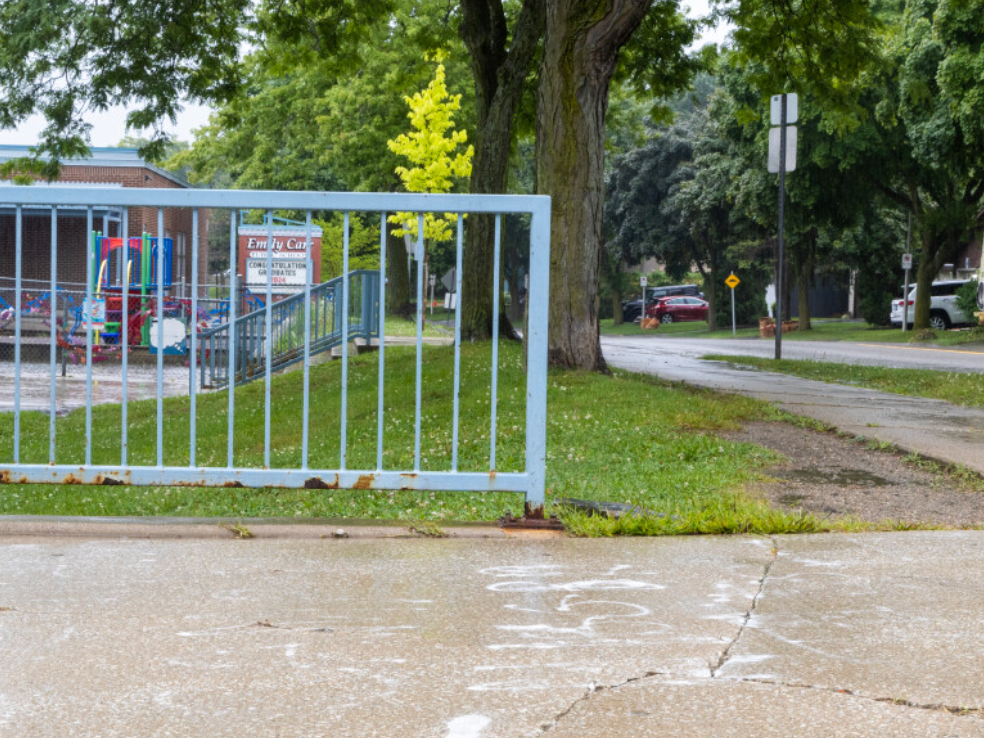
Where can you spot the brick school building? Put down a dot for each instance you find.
(105, 167)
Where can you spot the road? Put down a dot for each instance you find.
(955, 359)
(695, 637)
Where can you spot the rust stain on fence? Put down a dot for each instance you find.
(319, 483)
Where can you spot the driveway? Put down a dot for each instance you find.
(700, 637)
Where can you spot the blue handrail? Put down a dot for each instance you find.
(287, 344)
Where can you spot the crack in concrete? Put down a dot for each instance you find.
(964, 711)
(931, 706)
(592, 689)
(726, 653)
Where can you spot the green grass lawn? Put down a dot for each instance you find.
(822, 330)
(622, 438)
(401, 327)
(960, 388)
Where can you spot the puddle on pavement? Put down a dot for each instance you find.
(837, 477)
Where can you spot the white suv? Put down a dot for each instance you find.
(943, 311)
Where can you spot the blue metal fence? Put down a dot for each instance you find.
(298, 327)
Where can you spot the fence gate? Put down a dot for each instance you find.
(118, 324)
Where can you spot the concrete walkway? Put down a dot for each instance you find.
(932, 428)
(701, 637)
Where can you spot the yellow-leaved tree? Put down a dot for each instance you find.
(431, 146)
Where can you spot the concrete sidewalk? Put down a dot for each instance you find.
(699, 637)
(932, 428)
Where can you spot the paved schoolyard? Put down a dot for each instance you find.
(830, 635)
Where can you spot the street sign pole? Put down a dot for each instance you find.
(734, 327)
(643, 281)
(732, 281)
(782, 202)
(905, 290)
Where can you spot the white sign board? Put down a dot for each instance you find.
(907, 261)
(286, 273)
(432, 280)
(774, 149)
(792, 109)
(643, 281)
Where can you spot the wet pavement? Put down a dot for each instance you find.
(846, 635)
(964, 358)
(70, 390)
(932, 428)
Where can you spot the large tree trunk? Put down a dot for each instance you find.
(937, 250)
(710, 275)
(711, 287)
(500, 77)
(804, 278)
(580, 49)
(924, 284)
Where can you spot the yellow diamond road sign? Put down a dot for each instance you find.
(732, 281)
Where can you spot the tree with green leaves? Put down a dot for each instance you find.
(931, 161)
(432, 148)
(63, 58)
(324, 123)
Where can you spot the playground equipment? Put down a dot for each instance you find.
(133, 261)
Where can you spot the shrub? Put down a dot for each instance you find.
(967, 299)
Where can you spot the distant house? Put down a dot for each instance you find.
(105, 167)
(966, 264)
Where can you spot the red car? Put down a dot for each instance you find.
(673, 309)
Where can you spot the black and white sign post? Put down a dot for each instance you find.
(906, 265)
(783, 110)
(643, 281)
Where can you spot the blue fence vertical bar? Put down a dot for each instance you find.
(53, 336)
(231, 338)
(18, 300)
(537, 301)
(268, 340)
(308, 276)
(382, 342)
(89, 279)
(345, 337)
(495, 339)
(193, 349)
(456, 420)
(419, 257)
(125, 337)
(160, 337)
